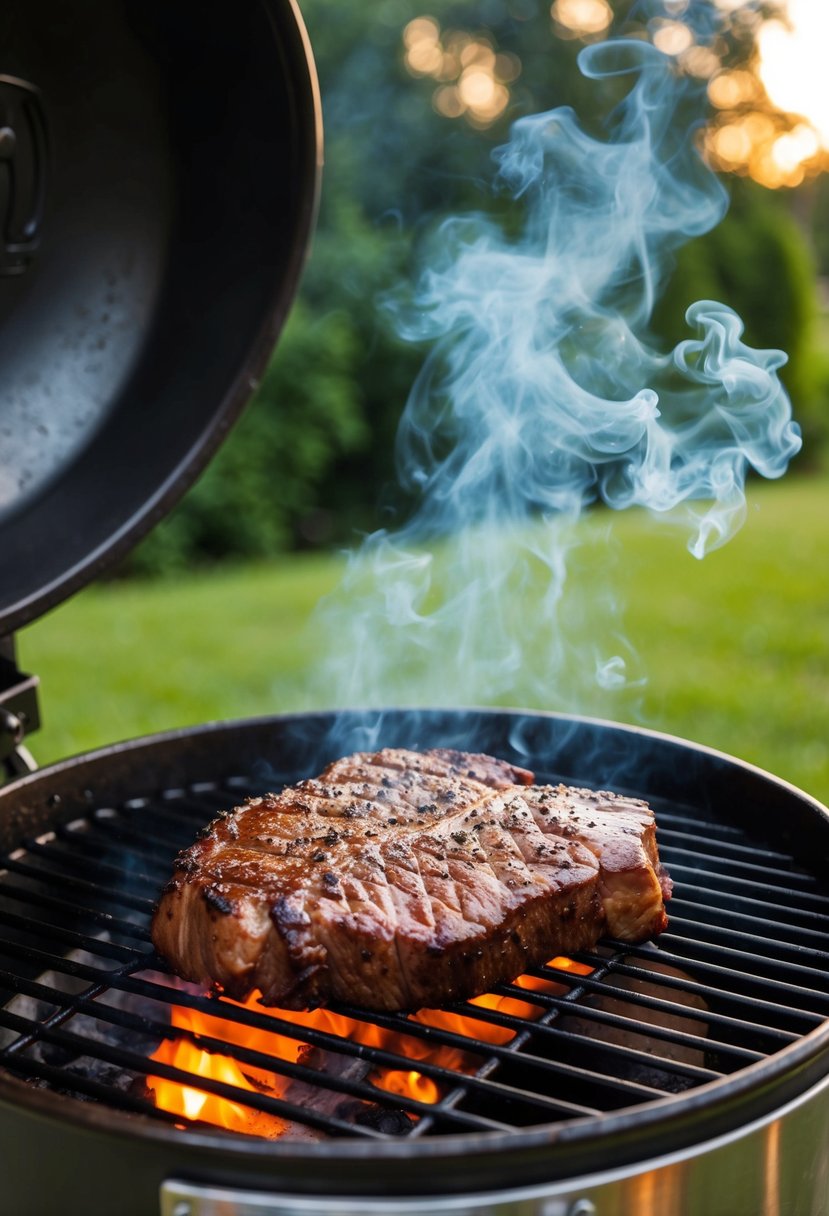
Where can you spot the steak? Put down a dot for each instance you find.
(402, 879)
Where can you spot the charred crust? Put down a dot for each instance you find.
(215, 900)
(306, 990)
(285, 915)
(331, 885)
(185, 863)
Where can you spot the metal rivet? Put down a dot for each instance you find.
(582, 1207)
(11, 724)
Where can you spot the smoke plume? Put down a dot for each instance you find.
(543, 395)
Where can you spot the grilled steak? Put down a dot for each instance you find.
(402, 879)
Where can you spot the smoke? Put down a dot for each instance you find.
(543, 395)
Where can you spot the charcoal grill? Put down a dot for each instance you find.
(630, 1077)
(156, 199)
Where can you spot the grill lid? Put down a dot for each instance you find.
(158, 180)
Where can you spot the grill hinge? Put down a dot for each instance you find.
(19, 713)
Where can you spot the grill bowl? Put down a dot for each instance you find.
(712, 809)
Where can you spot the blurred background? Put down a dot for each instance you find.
(413, 106)
(206, 619)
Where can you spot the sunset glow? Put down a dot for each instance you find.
(773, 123)
(793, 63)
(771, 114)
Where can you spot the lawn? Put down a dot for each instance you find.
(735, 648)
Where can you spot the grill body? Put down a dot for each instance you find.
(749, 1118)
(779, 1164)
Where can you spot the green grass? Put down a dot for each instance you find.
(124, 659)
(735, 648)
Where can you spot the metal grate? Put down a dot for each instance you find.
(740, 974)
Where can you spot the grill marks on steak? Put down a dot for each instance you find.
(402, 879)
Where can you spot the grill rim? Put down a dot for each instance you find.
(458, 1162)
(617, 1139)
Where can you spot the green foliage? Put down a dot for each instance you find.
(261, 491)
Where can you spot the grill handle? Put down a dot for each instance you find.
(185, 1199)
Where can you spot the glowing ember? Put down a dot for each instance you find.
(187, 1054)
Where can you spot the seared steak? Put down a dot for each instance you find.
(402, 879)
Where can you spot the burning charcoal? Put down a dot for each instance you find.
(634, 1020)
(316, 1096)
(93, 1032)
(56, 1055)
(138, 1088)
(389, 1121)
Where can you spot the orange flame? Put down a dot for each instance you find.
(194, 1103)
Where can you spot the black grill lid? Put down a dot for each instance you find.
(158, 180)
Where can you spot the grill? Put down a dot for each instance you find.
(746, 942)
(643, 1050)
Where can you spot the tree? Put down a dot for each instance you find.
(313, 457)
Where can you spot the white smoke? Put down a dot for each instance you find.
(543, 394)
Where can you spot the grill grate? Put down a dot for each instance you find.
(740, 974)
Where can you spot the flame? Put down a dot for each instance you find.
(184, 1052)
(195, 1103)
(409, 1084)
